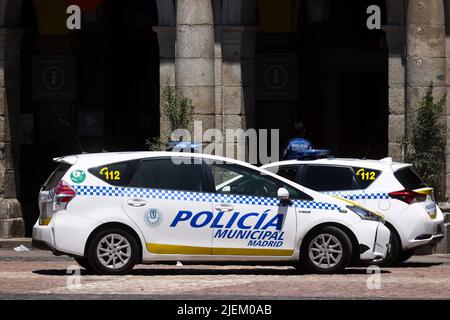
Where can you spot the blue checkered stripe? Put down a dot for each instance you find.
(315, 205)
(360, 196)
(98, 191)
(193, 196)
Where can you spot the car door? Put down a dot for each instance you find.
(333, 180)
(249, 218)
(163, 198)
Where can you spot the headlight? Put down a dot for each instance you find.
(366, 214)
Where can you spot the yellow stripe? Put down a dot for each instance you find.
(252, 252)
(177, 249)
(425, 191)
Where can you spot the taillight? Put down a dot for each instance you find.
(63, 194)
(407, 196)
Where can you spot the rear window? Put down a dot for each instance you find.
(116, 174)
(56, 176)
(409, 179)
(326, 178)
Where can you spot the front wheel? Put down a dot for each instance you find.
(113, 251)
(327, 250)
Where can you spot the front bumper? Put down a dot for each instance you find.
(373, 239)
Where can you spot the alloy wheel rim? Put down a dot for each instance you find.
(325, 251)
(114, 251)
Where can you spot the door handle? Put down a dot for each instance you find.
(136, 202)
(224, 207)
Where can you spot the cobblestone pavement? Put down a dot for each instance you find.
(39, 274)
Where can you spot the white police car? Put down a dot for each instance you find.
(111, 211)
(381, 185)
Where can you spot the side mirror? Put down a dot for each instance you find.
(283, 194)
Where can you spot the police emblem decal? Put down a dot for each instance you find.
(153, 218)
(78, 176)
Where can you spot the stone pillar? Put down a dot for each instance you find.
(166, 41)
(194, 57)
(11, 222)
(237, 72)
(396, 82)
(425, 56)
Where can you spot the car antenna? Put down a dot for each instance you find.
(73, 134)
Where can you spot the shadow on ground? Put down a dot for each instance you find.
(192, 272)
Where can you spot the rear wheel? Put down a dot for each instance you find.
(393, 256)
(405, 255)
(84, 263)
(113, 251)
(327, 250)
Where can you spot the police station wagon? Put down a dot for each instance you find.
(391, 188)
(111, 211)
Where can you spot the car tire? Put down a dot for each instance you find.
(83, 262)
(113, 252)
(405, 255)
(317, 246)
(393, 255)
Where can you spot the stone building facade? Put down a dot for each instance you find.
(207, 51)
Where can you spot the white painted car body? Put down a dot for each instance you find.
(180, 232)
(417, 224)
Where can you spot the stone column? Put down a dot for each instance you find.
(166, 42)
(396, 82)
(11, 222)
(194, 57)
(237, 75)
(425, 55)
(425, 58)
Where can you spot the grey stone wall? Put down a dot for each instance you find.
(11, 222)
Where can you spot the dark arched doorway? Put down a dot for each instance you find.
(336, 70)
(98, 85)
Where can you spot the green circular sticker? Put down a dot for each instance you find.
(78, 176)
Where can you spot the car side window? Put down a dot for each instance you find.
(234, 179)
(116, 174)
(365, 176)
(288, 172)
(164, 173)
(329, 178)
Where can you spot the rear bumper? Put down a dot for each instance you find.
(43, 237)
(42, 245)
(426, 231)
(436, 238)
